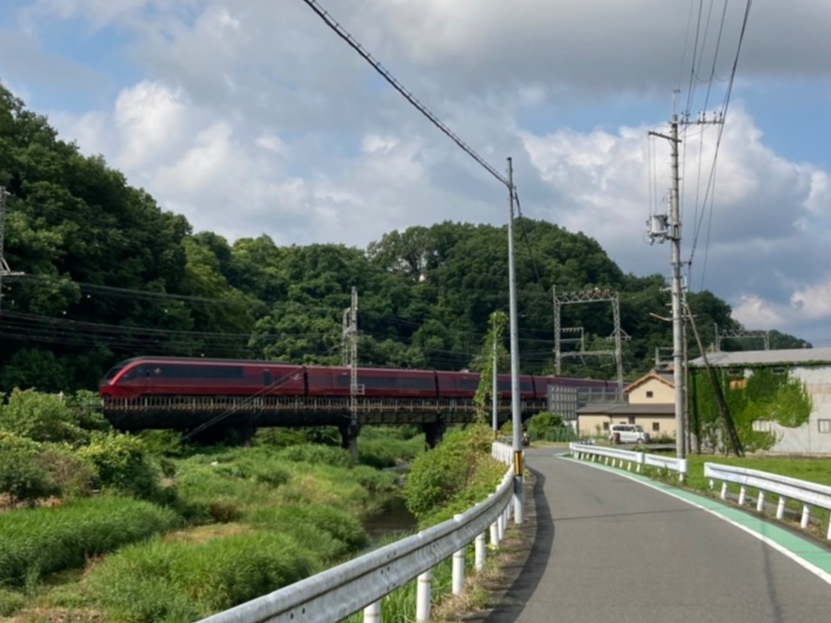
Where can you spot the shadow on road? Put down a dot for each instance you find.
(532, 555)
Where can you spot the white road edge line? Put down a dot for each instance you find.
(820, 573)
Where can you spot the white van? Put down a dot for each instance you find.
(628, 433)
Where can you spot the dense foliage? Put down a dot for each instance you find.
(109, 275)
(454, 476)
(175, 531)
(765, 395)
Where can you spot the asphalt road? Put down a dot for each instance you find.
(605, 548)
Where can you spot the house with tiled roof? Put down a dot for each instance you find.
(649, 402)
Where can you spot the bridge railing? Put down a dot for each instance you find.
(617, 458)
(810, 494)
(337, 593)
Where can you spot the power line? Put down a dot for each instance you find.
(343, 34)
(711, 182)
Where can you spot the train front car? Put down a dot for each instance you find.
(119, 381)
(203, 378)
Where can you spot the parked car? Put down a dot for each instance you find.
(628, 433)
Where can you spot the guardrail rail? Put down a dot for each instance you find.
(811, 494)
(617, 458)
(341, 591)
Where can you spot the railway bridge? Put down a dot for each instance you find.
(244, 414)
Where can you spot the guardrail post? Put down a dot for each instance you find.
(495, 534)
(458, 567)
(760, 502)
(480, 552)
(500, 523)
(724, 490)
(423, 589)
(372, 613)
(742, 495)
(828, 536)
(780, 508)
(806, 516)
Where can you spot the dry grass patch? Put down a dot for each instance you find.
(200, 534)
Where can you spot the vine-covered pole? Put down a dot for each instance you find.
(489, 369)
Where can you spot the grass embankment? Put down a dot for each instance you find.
(249, 520)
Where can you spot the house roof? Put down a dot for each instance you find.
(664, 377)
(793, 356)
(614, 409)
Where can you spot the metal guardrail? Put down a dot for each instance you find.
(337, 593)
(617, 458)
(809, 493)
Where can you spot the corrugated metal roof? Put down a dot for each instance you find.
(620, 409)
(803, 356)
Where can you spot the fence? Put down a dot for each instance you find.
(337, 593)
(617, 458)
(810, 494)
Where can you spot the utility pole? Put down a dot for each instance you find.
(519, 512)
(495, 391)
(657, 224)
(677, 312)
(349, 353)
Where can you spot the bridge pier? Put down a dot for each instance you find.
(433, 432)
(349, 432)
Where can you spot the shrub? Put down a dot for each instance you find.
(83, 405)
(440, 475)
(387, 452)
(184, 581)
(163, 442)
(315, 454)
(71, 474)
(21, 474)
(10, 602)
(44, 540)
(39, 416)
(311, 524)
(374, 480)
(540, 424)
(122, 464)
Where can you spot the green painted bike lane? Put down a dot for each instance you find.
(809, 555)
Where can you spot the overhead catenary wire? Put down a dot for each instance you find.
(711, 180)
(355, 45)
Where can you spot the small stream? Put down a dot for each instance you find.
(394, 519)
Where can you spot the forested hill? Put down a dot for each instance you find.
(110, 275)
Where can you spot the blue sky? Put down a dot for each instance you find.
(257, 105)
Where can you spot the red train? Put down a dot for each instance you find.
(169, 376)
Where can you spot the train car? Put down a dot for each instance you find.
(457, 385)
(463, 385)
(170, 376)
(374, 382)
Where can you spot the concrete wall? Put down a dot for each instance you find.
(808, 438)
(589, 425)
(661, 394)
(593, 425)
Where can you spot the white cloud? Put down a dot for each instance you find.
(753, 312)
(253, 117)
